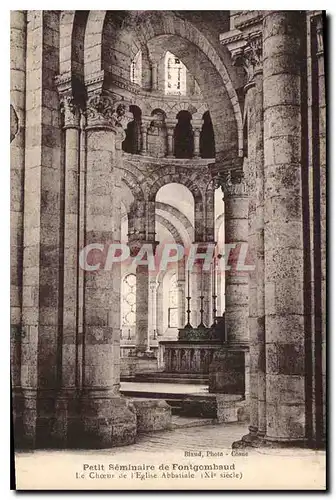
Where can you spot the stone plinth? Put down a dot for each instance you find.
(223, 408)
(227, 372)
(133, 365)
(106, 421)
(152, 415)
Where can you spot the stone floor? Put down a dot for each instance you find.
(167, 453)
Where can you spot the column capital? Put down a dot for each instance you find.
(197, 124)
(71, 111)
(250, 57)
(145, 123)
(104, 111)
(232, 183)
(171, 124)
(136, 243)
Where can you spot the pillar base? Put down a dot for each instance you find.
(252, 440)
(106, 421)
(67, 419)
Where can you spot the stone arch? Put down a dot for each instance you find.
(132, 182)
(170, 227)
(173, 175)
(182, 35)
(179, 215)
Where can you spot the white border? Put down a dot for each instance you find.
(5, 179)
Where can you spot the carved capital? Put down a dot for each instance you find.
(232, 183)
(250, 57)
(104, 111)
(70, 111)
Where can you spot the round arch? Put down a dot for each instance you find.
(184, 38)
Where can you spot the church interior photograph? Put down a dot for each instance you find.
(168, 227)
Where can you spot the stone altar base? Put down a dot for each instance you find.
(228, 370)
(133, 365)
(152, 415)
(222, 408)
(71, 420)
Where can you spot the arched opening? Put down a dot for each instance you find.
(132, 142)
(179, 197)
(183, 136)
(157, 134)
(136, 69)
(207, 138)
(175, 75)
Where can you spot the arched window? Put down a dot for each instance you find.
(128, 302)
(207, 138)
(136, 69)
(131, 144)
(183, 136)
(175, 75)
(173, 302)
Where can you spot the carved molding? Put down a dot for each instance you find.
(248, 18)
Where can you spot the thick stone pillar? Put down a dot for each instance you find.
(18, 20)
(106, 418)
(323, 216)
(236, 280)
(284, 320)
(42, 290)
(260, 253)
(251, 56)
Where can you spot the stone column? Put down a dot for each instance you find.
(196, 125)
(142, 298)
(284, 320)
(323, 217)
(159, 308)
(154, 76)
(142, 292)
(106, 418)
(153, 286)
(17, 161)
(170, 137)
(236, 281)
(251, 57)
(182, 303)
(259, 248)
(71, 124)
(144, 129)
